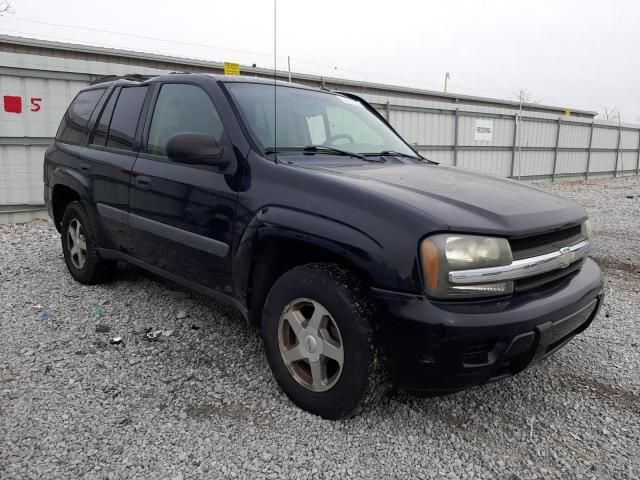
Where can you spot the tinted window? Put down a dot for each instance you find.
(124, 121)
(100, 133)
(75, 120)
(182, 108)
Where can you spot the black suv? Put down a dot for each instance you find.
(359, 259)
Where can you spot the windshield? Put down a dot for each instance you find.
(308, 117)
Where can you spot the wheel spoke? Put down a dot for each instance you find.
(332, 350)
(74, 250)
(319, 313)
(73, 231)
(318, 374)
(294, 354)
(294, 318)
(82, 243)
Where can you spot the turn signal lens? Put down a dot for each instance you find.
(431, 263)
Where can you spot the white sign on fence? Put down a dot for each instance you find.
(484, 130)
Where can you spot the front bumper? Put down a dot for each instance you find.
(443, 347)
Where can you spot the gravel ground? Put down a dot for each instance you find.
(201, 403)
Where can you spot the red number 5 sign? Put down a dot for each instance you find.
(13, 104)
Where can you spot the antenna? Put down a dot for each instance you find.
(275, 69)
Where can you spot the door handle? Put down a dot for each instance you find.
(143, 182)
(85, 167)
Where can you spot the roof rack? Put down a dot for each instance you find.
(134, 77)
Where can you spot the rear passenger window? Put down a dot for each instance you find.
(74, 123)
(182, 108)
(124, 121)
(102, 128)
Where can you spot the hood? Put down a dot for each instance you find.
(465, 200)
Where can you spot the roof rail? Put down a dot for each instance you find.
(134, 77)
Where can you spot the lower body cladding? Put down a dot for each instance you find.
(442, 347)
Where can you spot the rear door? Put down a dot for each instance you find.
(111, 154)
(181, 215)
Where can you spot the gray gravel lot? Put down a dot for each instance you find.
(201, 403)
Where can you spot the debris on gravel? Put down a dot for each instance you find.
(202, 403)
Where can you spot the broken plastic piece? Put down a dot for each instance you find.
(153, 335)
(99, 313)
(115, 340)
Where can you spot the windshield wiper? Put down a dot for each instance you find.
(324, 149)
(391, 153)
(321, 149)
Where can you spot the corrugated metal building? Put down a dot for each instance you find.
(38, 79)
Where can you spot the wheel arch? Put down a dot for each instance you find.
(278, 239)
(66, 186)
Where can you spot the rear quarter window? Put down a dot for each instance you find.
(73, 127)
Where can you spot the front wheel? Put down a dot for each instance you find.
(318, 339)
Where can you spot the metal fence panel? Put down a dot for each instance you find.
(603, 162)
(629, 139)
(605, 137)
(502, 131)
(538, 134)
(574, 135)
(571, 162)
(534, 164)
(424, 128)
(21, 174)
(42, 104)
(498, 163)
(628, 162)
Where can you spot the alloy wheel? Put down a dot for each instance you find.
(310, 344)
(77, 244)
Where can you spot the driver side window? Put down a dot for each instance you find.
(182, 108)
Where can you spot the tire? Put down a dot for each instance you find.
(84, 264)
(339, 298)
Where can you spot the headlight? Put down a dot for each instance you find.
(586, 229)
(443, 253)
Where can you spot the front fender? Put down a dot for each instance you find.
(345, 241)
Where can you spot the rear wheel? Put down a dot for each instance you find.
(80, 249)
(318, 339)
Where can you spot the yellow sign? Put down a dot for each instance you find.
(231, 68)
(567, 113)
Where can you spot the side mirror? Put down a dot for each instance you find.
(195, 149)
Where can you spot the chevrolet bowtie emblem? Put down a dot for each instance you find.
(566, 257)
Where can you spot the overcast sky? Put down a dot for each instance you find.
(577, 54)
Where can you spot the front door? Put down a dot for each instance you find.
(181, 215)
